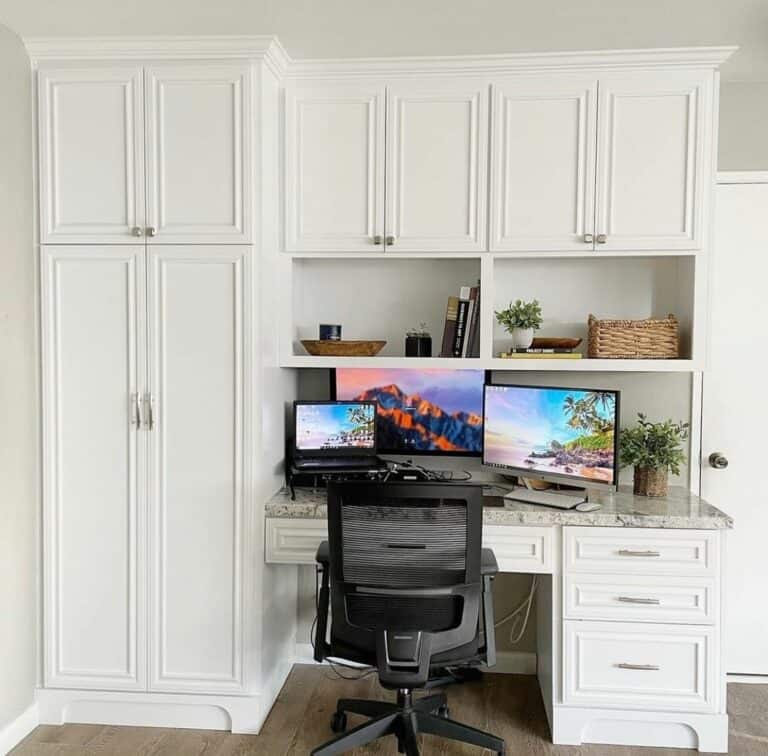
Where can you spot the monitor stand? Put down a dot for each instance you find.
(558, 499)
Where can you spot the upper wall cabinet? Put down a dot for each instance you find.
(654, 160)
(129, 151)
(433, 166)
(543, 162)
(334, 167)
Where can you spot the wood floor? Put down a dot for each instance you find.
(506, 705)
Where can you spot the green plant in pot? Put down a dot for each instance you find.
(654, 449)
(521, 319)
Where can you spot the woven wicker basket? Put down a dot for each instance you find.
(634, 339)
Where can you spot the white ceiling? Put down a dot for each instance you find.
(362, 28)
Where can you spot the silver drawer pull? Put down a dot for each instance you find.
(639, 667)
(634, 600)
(632, 553)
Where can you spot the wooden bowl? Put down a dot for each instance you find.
(546, 342)
(331, 348)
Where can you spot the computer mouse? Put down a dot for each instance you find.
(588, 506)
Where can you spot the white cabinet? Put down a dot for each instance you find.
(654, 172)
(199, 385)
(146, 396)
(128, 151)
(334, 167)
(94, 498)
(543, 162)
(437, 147)
(91, 148)
(433, 166)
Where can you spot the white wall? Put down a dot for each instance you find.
(18, 394)
(743, 144)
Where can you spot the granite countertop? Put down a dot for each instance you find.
(680, 509)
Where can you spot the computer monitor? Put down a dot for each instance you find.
(420, 411)
(562, 435)
(337, 429)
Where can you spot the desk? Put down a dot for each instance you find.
(629, 609)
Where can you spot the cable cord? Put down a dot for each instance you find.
(524, 608)
(433, 475)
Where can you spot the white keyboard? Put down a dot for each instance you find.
(558, 499)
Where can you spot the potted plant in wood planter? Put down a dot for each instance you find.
(521, 319)
(653, 449)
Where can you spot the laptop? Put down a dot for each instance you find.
(334, 436)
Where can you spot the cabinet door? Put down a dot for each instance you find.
(91, 131)
(199, 311)
(198, 153)
(437, 136)
(93, 493)
(334, 167)
(654, 160)
(543, 163)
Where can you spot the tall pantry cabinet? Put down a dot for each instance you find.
(149, 326)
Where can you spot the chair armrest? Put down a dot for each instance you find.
(488, 564)
(323, 555)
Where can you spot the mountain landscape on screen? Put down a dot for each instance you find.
(424, 410)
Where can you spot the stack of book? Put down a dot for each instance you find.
(461, 333)
(547, 348)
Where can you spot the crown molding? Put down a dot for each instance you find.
(269, 49)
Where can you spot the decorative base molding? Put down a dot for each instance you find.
(706, 732)
(14, 732)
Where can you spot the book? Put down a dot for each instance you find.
(543, 350)
(540, 355)
(449, 329)
(473, 330)
(461, 327)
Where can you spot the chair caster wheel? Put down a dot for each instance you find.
(339, 721)
(444, 712)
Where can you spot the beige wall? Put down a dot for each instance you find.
(18, 397)
(743, 144)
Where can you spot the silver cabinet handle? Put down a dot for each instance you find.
(632, 553)
(137, 231)
(589, 238)
(151, 231)
(633, 600)
(378, 239)
(135, 411)
(639, 667)
(390, 240)
(150, 412)
(602, 238)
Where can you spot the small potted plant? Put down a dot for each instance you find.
(521, 319)
(653, 449)
(418, 342)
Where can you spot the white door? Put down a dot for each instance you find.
(91, 131)
(93, 492)
(198, 153)
(653, 160)
(334, 167)
(199, 314)
(543, 163)
(736, 415)
(436, 184)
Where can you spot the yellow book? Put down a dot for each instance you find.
(540, 356)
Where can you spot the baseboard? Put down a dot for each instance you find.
(507, 662)
(748, 679)
(14, 732)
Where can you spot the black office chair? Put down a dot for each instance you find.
(410, 591)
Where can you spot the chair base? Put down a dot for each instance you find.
(405, 720)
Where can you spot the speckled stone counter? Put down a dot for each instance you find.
(680, 509)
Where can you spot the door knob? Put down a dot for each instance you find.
(718, 461)
(602, 238)
(588, 238)
(378, 239)
(151, 231)
(137, 231)
(390, 240)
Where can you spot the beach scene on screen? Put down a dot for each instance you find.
(334, 426)
(563, 431)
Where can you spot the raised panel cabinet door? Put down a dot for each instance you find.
(334, 167)
(91, 150)
(199, 153)
(436, 182)
(93, 344)
(543, 163)
(199, 313)
(654, 161)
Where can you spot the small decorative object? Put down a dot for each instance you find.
(654, 449)
(521, 319)
(330, 332)
(650, 339)
(338, 348)
(418, 342)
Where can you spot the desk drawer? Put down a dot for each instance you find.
(521, 548)
(640, 551)
(293, 541)
(628, 665)
(642, 599)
